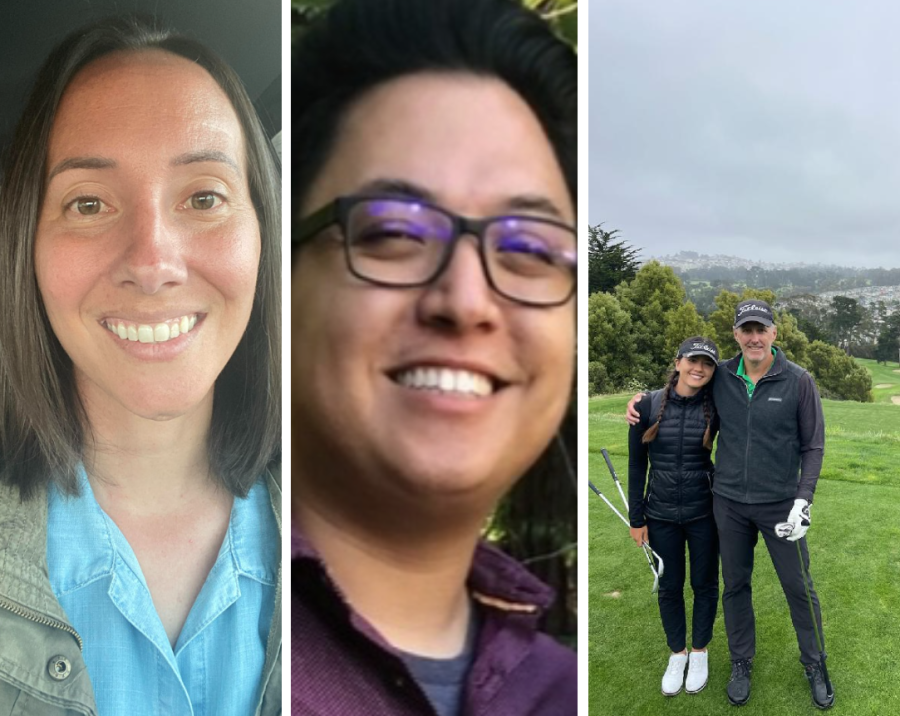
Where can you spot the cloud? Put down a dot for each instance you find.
(759, 129)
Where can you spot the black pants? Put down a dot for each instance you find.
(668, 539)
(739, 528)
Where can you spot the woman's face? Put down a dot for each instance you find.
(694, 372)
(147, 244)
(472, 146)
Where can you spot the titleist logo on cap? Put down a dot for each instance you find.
(697, 346)
(752, 307)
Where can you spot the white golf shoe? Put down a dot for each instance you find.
(673, 679)
(698, 672)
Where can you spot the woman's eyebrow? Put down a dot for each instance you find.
(205, 155)
(81, 163)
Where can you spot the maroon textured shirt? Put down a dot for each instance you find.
(341, 666)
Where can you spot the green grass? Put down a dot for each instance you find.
(887, 375)
(855, 562)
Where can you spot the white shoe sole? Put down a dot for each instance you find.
(697, 691)
(666, 693)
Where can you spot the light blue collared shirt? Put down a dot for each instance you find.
(216, 666)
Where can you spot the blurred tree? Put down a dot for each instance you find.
(611, 351)
(837, 375)
(888, 339)
(610, 261)
(846, 315)
(650, 299)
(682, 323)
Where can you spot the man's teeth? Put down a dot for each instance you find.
(155, 333)
(447, 380)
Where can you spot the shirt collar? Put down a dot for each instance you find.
(80, 520)
(495, 580)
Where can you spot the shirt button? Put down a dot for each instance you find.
(59, 668)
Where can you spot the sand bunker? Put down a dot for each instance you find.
(615, 595)
(895, 399)
(884, 385)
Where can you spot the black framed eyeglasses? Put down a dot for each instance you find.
(402, 242)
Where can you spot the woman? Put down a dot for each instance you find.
(139, 386)
(433, 333)
(675, 431)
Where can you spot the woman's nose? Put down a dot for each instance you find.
(153, 251)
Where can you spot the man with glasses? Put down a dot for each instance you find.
(433, 329)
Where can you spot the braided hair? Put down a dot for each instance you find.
(671, 382)
(708, 408)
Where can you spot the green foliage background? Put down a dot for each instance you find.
(561, 14)
(635, 331)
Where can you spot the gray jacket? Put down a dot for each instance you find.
(42, 672)
(770, 448)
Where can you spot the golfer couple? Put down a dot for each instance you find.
(771, 430)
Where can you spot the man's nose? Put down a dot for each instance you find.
(461, 297)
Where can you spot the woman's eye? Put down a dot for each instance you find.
(204, 201)
(86, 205)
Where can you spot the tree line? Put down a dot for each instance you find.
(638, 317)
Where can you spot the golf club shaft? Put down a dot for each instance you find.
(645, 546)
(812, 615)
(611, 505)
(612, 471)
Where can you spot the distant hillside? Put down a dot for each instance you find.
(704, 276)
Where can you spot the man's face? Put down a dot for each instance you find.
(755, 341)
(447, 391)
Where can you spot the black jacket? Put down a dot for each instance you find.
(770, 448)
(681, 469)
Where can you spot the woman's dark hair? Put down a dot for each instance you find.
(708, 409)
(360, 44)
(43, 424)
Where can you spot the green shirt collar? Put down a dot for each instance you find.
(743, 374)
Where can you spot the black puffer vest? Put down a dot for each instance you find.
(681, 469)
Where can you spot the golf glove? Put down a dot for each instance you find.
(799, 518)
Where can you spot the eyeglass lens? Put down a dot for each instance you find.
(405, 243)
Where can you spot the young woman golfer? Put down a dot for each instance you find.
(674, 506)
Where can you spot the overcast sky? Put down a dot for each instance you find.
(766, 129)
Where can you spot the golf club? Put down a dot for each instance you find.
(615, 476)
(785, 529)
(645, 545)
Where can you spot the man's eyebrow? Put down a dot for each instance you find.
(536, 203)
(400, 187)
(81, 163)
(205, 155)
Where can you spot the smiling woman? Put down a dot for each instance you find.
(139, 384)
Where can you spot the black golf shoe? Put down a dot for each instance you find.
(820, 697)
(739, 684)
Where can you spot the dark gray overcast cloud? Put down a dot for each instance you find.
(764, 129)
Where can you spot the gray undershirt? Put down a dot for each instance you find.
(444, 680)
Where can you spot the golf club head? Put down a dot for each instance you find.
(648, 550)
(784, 529)
(656, 573)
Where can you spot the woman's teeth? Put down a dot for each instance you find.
(447, 380)
(155, 333)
